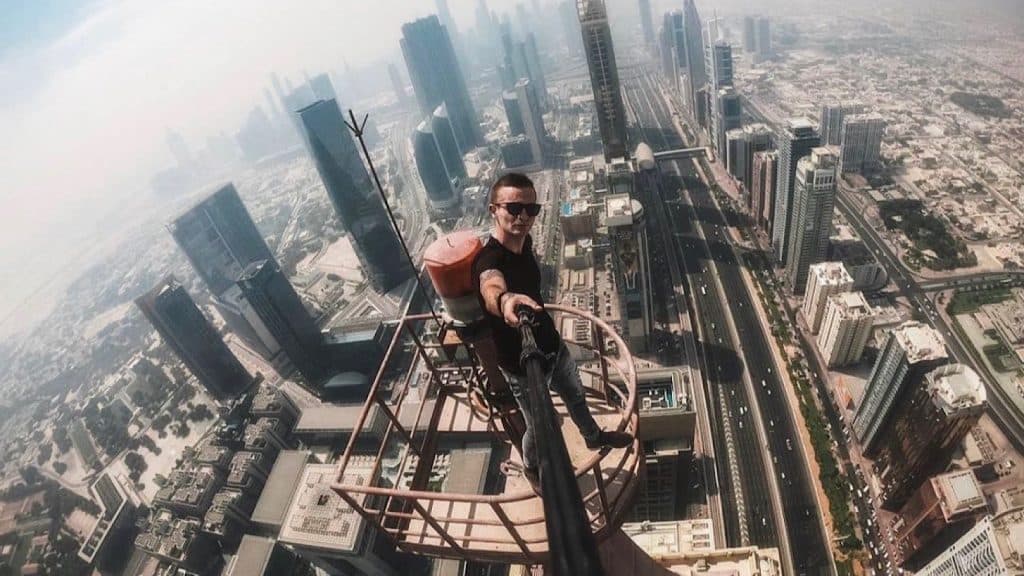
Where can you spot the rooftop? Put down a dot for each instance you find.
(272, 506)
(318, 517)
(960, 491)
(253, 556)
(956, 387)
(921, 342)
(830, 274)
(852, 304)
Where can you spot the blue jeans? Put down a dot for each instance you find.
(562, 377)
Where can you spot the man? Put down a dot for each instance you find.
(508, 277)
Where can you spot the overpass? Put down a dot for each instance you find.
(681, 154)
(975, 281)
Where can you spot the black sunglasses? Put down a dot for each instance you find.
(516, 208)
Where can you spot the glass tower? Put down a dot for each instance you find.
(219, 238)
(283, 314)
(437, 78)
(604, 77)
(356, 202)
(182, 326)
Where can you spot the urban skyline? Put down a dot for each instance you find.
(784, 256)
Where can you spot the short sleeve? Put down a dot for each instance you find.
(487, 259)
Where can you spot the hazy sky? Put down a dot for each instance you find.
(89, 89)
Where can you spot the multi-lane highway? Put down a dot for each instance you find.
(761, 467)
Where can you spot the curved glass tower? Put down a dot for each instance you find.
(431, 168)
(445, 138)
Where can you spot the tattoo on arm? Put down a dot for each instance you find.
(492, 284)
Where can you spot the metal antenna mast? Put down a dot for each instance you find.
(357, 129)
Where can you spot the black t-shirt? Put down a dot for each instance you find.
(522, 276)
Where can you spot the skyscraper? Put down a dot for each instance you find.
(823, 280)
(179, 149)
(437, 78)
(695, 70)
(741, 145)
(433, 174)
(322, 87)
(845, 329)
(762, 190)
(908, 353)
(646, 21)
(182, 326)
(535, 71)
(533, 122)
(283, 314)
(356, 202)
(677, 45)
(725, 105)
(628, 237)
(993, 546)
(604, 77)
(570, 28)
(441, 126)
(397, 85)
(219, 238)
(749, 34)
(942, 509)
(832, 115)
(926, 425)
(763, 38)
(861, 142)
(814, 197)
(794, 142)
(510, 100)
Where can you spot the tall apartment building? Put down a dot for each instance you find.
(696, 72)
(861, 143)
(749, 34)
(533, 120)
(832, 115)
(646, 21)
(604, 77)
(762, 189)
(814, 197)
(823, 280)
(993, 547)
(763, 38)
(741, 145)
(187, 332)
(938, 513)
(628, 235)
(846, 327)
(794, 142)
(909, 352)
(926, 424)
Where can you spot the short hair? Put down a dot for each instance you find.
(511, 180)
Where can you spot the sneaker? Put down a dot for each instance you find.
(609, 440)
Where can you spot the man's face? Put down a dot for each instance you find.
(513, 225)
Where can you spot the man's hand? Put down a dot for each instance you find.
(510, 301)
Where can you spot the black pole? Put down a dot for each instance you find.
(357, 129)
(571, 545)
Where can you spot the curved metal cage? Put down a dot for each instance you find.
(422, 398)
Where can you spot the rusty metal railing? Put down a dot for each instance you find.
(509, 526)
